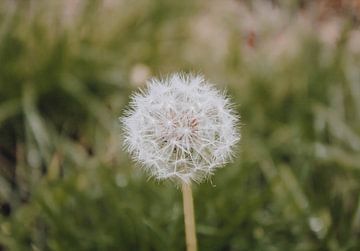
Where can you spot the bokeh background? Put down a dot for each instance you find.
(67, 69)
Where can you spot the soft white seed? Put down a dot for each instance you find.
(180, 128)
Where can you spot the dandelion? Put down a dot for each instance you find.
(181, 128)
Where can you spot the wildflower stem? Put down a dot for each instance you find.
(189, 218)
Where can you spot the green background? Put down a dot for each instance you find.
(67, 69)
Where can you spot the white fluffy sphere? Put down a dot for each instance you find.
(180, 128)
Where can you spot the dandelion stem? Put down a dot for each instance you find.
(189, 218)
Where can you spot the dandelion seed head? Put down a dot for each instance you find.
(180, 128)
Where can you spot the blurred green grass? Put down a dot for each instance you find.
(67, 70)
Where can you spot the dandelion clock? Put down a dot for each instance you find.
(181, 128)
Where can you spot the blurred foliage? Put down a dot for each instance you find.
(67, 69)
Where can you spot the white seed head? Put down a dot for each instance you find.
(180, 128)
